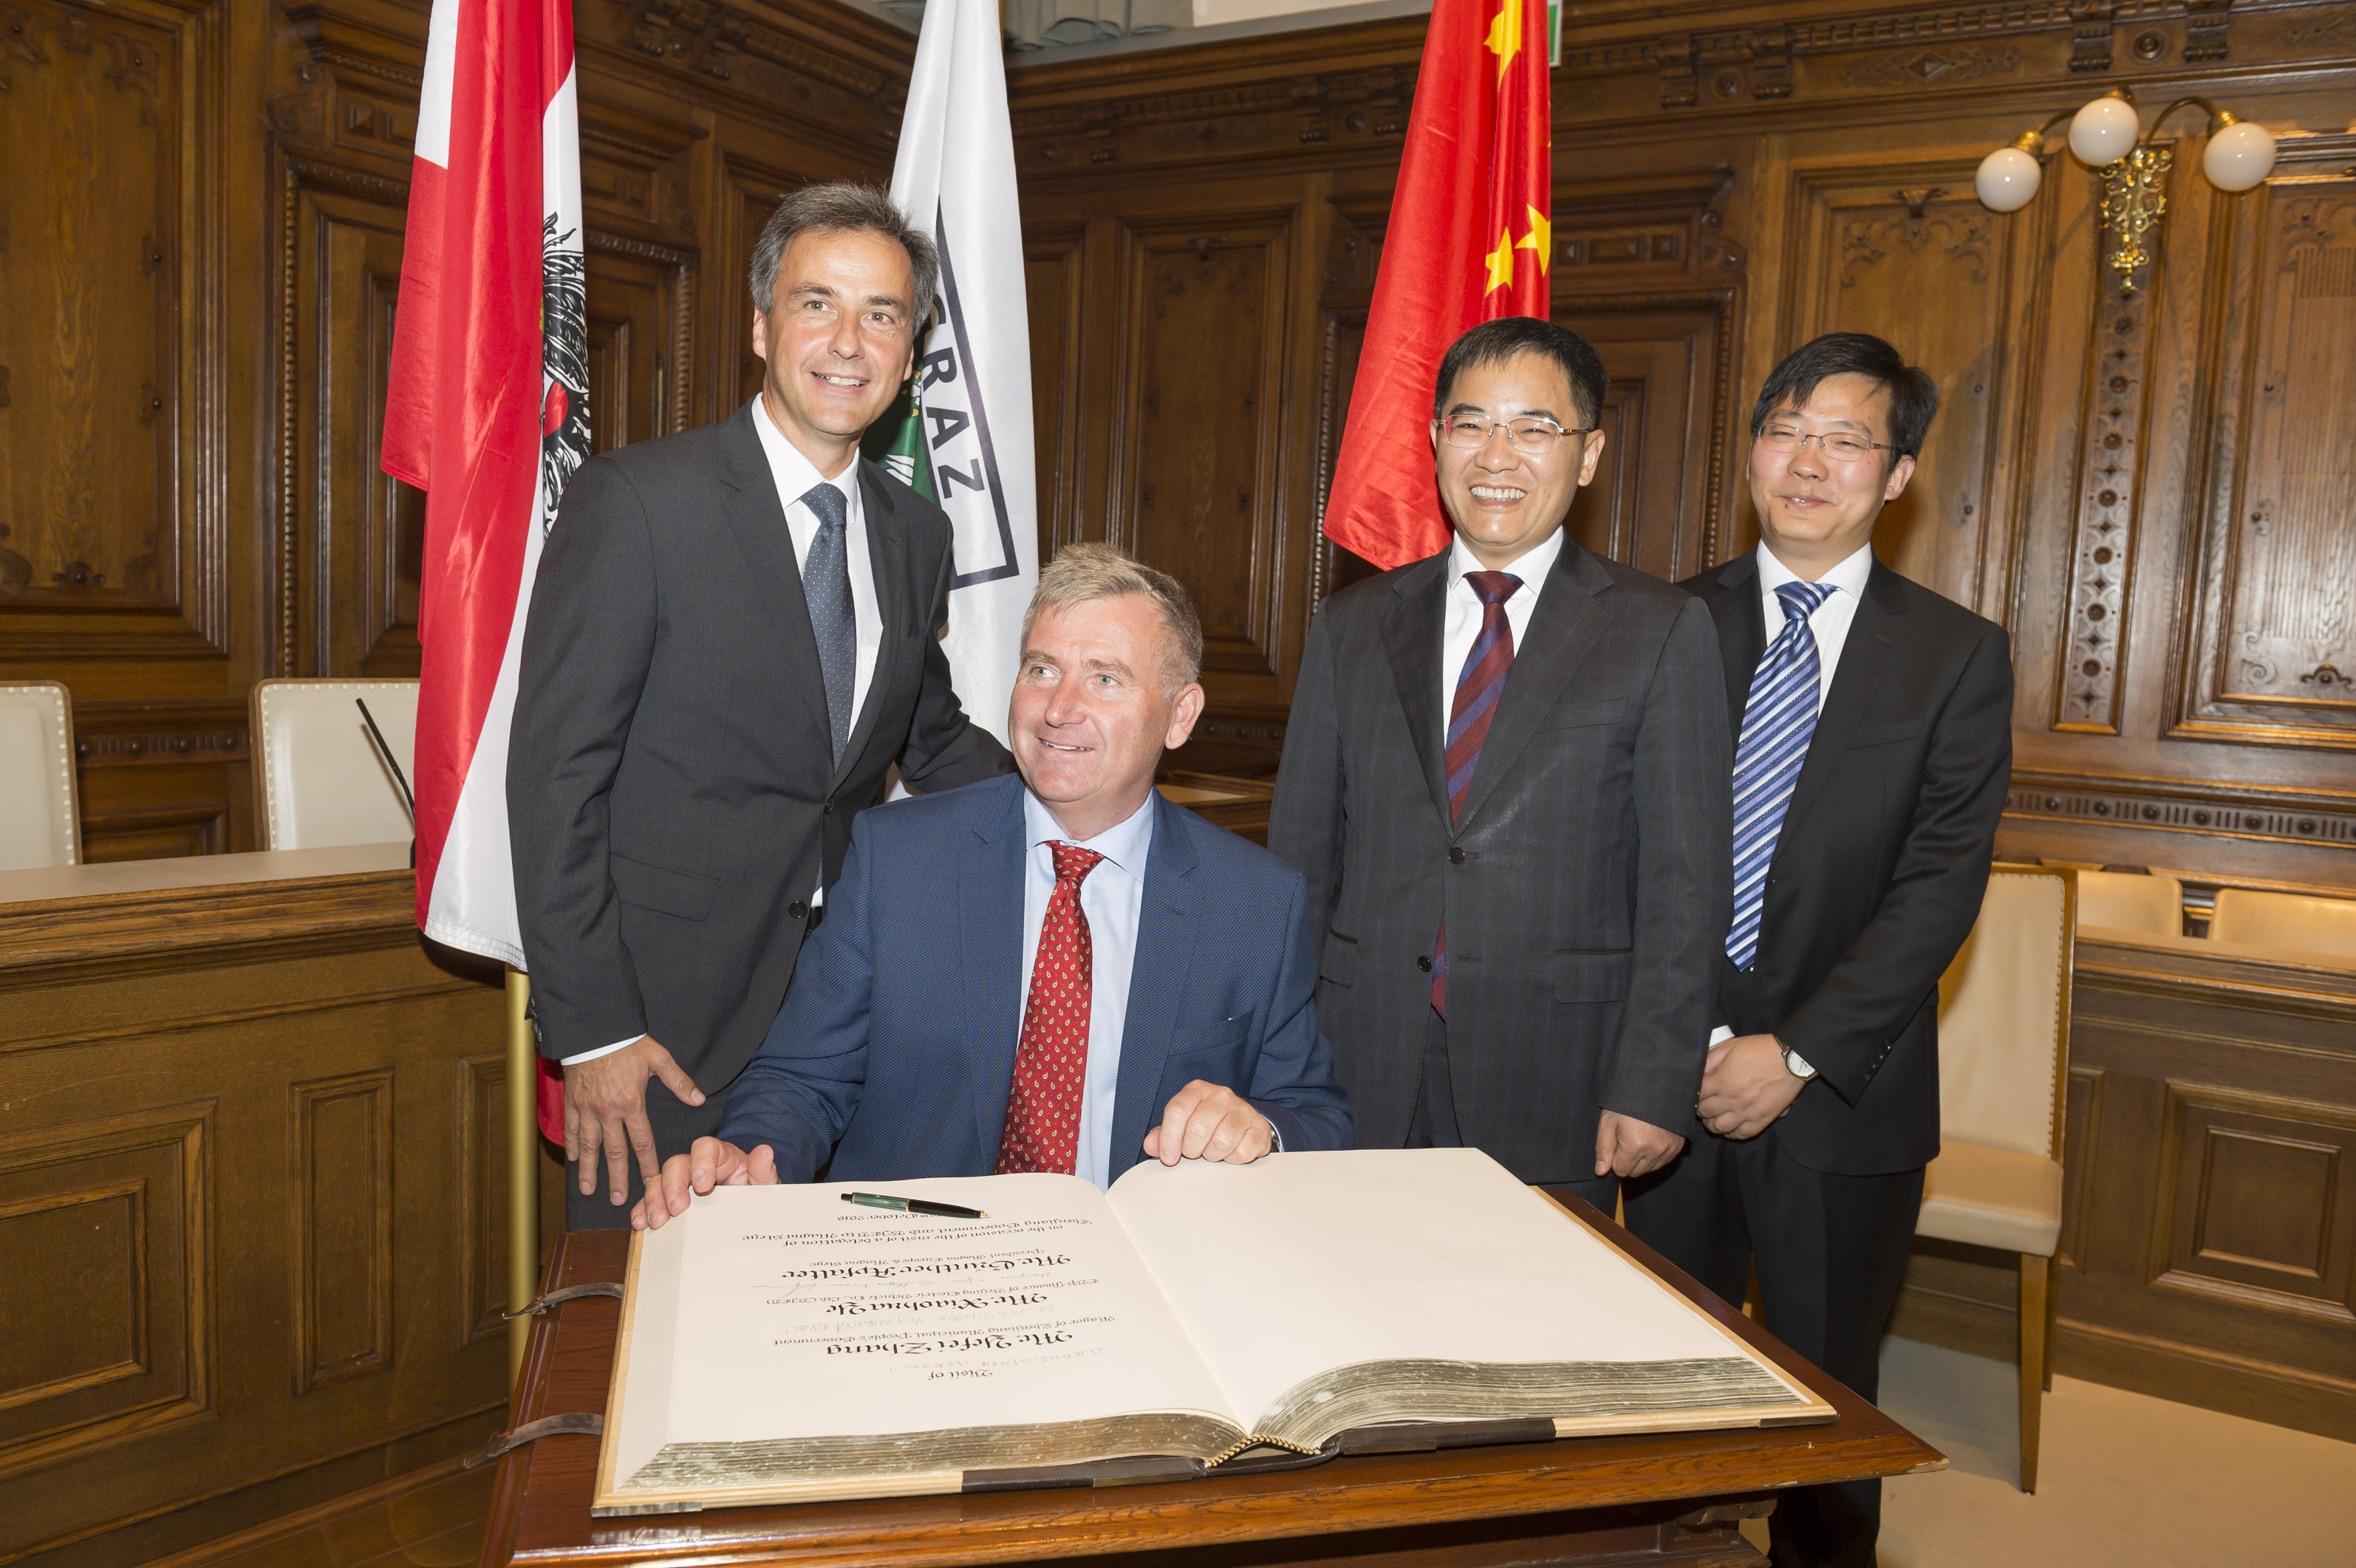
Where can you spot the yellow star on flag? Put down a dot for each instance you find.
(1540, 239)
(1501, 263)
(1505, 34)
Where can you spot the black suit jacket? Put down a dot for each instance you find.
(673, 796)
(1585, 890)
(1880, 865)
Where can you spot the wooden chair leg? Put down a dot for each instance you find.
(2053, 1310)
(2035, 1293)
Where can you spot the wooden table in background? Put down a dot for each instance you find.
(1675, 1498)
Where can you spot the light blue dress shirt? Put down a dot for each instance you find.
(1113, 899)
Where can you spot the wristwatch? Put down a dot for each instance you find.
(1797, 1064)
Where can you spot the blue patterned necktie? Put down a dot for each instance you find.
(1779, 719)
(826, 583)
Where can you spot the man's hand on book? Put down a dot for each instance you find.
(712, 1162)
(605, 1102)
(1205, 1121)
(1625, 1146)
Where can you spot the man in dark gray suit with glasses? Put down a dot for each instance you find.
(732, 637)
(1505, 778)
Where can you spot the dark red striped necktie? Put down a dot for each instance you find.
(1482, 682)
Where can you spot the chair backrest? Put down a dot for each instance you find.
(323, 783)
(2129, 902)
(2297, 921)
(40, 817)
(2004, 1015)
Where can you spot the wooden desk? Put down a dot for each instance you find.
(1671, 1500)
(252, 1189)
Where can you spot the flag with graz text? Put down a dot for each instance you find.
(1469, 239)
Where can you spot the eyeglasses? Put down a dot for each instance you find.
(1532, 435)
(1840, 446)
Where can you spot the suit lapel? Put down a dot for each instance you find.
(757, 518)
(1873, 634)
(989, 942)
(887, 562)
(1166, 923)
(1741, 631)
(1563, 627)
(1411, 627)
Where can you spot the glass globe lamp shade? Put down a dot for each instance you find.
(2239, 156)
(2103, 132)
(2007, 180)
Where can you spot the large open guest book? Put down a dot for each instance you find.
(780, 1345)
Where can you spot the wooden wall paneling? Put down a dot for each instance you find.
(1868, 244)
(340, 1145)
(2268, 634)
(104, 1224)
(1204, 363)
(2259, 1201)
(1053, 270)
(640, 333)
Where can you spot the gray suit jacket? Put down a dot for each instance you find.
(673, 796)
(1586, 889)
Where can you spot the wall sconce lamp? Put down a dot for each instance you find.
(2106, 135)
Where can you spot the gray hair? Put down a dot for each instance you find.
(1081, 573)
(844, 206)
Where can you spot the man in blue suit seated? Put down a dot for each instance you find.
(1059, 971)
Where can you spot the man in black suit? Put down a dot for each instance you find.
(1504, 777)
(732, 637)
(1873, 744)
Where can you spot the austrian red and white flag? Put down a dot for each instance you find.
(487, 413)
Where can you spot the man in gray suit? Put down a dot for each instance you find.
(1505, 778)
(732, 637)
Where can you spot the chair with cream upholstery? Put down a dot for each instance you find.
(40, 817)
(322, 781)
(2004, 1059)
(2131, 902)
(2296, 922)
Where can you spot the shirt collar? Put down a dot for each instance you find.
(1848, 577)
(1125, 844)
(1531, 566)
(794, 473)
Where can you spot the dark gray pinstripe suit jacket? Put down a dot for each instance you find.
(1586, 889)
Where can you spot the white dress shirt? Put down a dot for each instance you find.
(1112, 898)
(1829, 625)
(795, 474)
(1461, 627)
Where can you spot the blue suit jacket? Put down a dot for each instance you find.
(894, 1049)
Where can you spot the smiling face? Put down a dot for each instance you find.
(838, 339)
(1503, 502)
(1092, 711)
(1815, 511)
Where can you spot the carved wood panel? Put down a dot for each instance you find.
(340, 1140)
(2263, 1206)
(1905, 252)
(1200, 427)
(1051, 274)
(2274, 625)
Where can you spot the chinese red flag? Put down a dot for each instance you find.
(1468, 241)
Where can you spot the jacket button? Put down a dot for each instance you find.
(1424, 965)
(798, 909)
(828, 809)
(1456, 857)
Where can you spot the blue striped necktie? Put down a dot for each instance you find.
(1779, 719)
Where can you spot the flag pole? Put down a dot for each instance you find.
(523, 1169)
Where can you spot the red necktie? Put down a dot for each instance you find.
(1043, 1107)
(1478, 688)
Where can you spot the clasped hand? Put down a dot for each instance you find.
(1203, 1121)
(1746, 1086)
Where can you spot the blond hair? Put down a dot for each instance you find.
(1084, 573)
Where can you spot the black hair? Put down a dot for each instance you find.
(1493, 342)
(1913, 395)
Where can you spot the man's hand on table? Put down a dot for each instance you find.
(1746, 1086)
(712, 1162)
(1205, 1121)
(606, 1107)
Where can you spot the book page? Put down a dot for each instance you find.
(1302, 1263)
(770, 1313)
